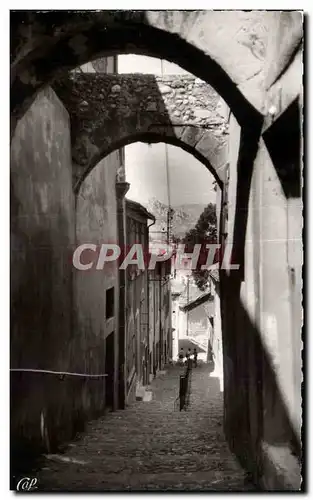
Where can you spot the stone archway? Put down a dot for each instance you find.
(224, 48)
(111, 111)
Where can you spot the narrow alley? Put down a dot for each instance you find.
(152, 445)
(156, 214)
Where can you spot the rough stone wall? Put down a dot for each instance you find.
(42, 239)
(108, 111)
(225, 48)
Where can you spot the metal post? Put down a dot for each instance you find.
(187, 325)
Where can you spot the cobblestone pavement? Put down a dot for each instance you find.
(153, 446)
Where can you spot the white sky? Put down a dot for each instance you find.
(142, 64)
(190, 181)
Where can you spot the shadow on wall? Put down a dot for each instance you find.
(286, 131)
(45, 410)
(256, 415)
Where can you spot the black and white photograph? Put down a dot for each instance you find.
(156, 197)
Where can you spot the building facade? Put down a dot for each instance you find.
(137, 304)
(215, 331)
(160, 317)
(63, 319)
(191, 314)
(254, 60)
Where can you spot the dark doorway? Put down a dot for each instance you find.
(109, 369)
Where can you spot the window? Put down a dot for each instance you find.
(109, 306)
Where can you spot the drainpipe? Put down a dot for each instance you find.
(147, 356)
(161, 319)
(152, 224)
(121, 190)
(148, 306)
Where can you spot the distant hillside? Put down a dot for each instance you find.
(193, 210)
(185, 216)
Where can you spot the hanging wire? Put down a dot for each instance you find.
(52, 372)
(169, 212)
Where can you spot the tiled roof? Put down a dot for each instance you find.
(137, 207)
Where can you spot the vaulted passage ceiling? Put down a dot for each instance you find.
(224, 48)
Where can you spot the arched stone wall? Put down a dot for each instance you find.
(224, 48)
(228, 50)
(110, 111)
